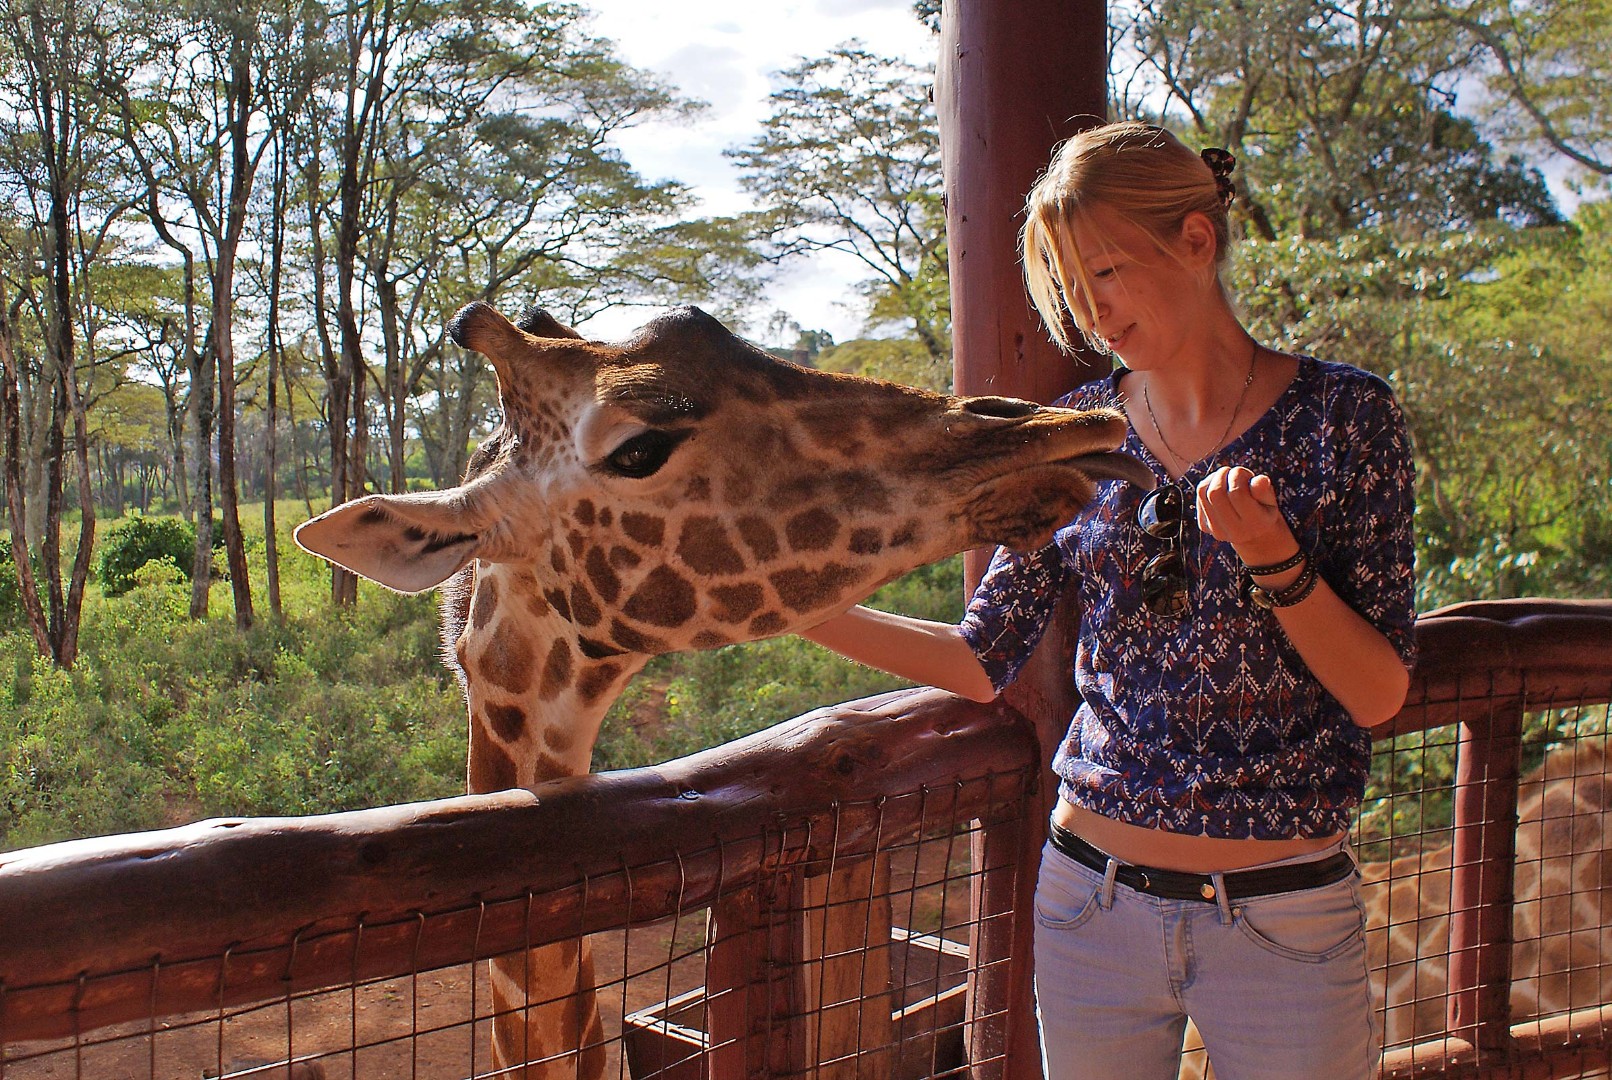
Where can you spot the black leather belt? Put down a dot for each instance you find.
(1240, 884)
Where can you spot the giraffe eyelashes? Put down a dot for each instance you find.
(643, 455)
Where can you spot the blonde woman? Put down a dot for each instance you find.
(1242, 626)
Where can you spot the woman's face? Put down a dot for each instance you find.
(1144, 299)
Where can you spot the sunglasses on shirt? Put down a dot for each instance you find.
(1162, 514)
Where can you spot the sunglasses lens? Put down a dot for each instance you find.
(1164, 584)
(1161, 512)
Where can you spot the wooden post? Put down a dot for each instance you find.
(755, 1011)
(1015, 78)
(1481, 884)
(847, 971)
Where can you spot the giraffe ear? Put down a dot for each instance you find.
(410, 543)
(539, 323)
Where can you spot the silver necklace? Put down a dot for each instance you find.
(1182, 462)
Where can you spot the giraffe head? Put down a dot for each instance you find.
(684, 489)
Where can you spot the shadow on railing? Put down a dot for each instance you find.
(814, 900)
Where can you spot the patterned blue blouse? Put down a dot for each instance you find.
(1210, 723)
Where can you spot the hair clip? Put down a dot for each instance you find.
(1221, 162)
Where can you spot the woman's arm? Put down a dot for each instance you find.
(932, 653)
(1349, 656)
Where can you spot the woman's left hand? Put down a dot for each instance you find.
(1238, 505)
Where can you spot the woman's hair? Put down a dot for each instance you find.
(1141, 172)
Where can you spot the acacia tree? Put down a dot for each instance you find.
(1341, 115)
(1550, 68)
(55, 68)
(849, 161)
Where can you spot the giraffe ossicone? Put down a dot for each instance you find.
(682, 490)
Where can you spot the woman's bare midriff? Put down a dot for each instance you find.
(1178, 851)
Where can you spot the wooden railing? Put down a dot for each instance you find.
(783, 838)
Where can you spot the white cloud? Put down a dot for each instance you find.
(727, 52)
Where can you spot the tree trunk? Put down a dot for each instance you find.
(201, 407)
(11, 432)
(238, 91)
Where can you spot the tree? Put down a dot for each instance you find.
(849, 161)
(1340, 116)
(55, 67)
(1550, 71)
(471, 154)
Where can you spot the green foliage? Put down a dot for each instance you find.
(1495, 343)
(690, 701)
(11, 613)
(901, 360)
(131, 544)
(165, 720)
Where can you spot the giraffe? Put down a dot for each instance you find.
(1561, 911)
(681, 490)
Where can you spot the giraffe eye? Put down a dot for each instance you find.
(644, 453)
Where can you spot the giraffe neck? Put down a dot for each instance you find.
(536, 689)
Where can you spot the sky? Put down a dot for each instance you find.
(726, 53)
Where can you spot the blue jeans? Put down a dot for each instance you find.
(1276, 984)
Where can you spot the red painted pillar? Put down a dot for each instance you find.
(1015, 78)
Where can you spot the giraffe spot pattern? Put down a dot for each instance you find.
(736, 603)
(583, 512)
(507, 660)
(556, 671)
(866, 542)
(596, 650)
(491, 769)
(557, 600)
(605, 582)
(905, 535)
(486, 601)
(595, 680)
(624, 558)
(548, 767)
(705, 548)
(508, 722)
(557, 559)
(538, 605)
(605, 517)
(802, 589)
(584, 608)
(759, 537)
(559, 738)
(811, 530)
(576, 543)
(646, 529)
(710, 639)
(665, 598)
(635, 640)
(767, 624)
(862, 491)
(698, 490)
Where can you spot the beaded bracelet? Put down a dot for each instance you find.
(1276, 568)
(1301, 587)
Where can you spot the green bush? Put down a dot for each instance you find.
(131, 544)
(10, 588)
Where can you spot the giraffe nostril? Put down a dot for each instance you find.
(1000, 408)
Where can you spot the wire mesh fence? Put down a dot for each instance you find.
(862, 966)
